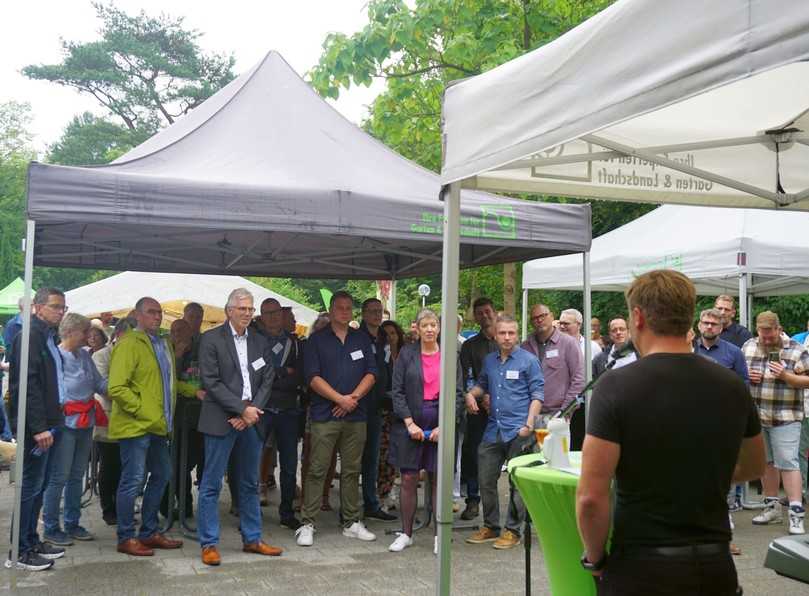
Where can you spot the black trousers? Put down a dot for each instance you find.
(189, 409)
(652, 575)
(475, 425)
(109, 474)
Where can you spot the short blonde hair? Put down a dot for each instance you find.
(667, 298)
(71, 322)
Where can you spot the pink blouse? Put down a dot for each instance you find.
(431, 368)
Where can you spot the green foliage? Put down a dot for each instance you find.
(145, 70)
(287, 288)
(418, 49)
(90, 140)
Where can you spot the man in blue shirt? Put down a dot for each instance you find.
(710, 344)
(340, 368)
(512, 378)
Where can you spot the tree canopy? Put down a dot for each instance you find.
(145, 70)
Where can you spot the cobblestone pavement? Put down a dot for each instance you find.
(334, 565)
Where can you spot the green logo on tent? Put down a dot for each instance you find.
(495, 221)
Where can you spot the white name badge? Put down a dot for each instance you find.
(258, 364)
(512, 374)
(551, 353)
(373, 348)
(277, 348)
(387, 354)
(357, 354)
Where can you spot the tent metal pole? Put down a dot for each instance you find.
(524, 314)
(23, 396)
(587, 328)
(743, 308)
(446, 405)
(392, 298)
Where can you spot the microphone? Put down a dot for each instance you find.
(625, 350)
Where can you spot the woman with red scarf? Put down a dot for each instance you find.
(79, 381)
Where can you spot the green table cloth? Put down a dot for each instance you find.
(550, 497)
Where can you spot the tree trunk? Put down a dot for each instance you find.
(510, 289)
(474, 294)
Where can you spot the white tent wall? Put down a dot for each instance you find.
(121, 291)
(712, 245)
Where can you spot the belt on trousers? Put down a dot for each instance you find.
(691, 550)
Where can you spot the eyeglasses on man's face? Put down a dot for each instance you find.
(58, 307)
(540, 316)
(245, 310)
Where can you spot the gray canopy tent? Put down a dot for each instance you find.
(267, 179)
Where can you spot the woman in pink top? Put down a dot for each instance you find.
(415, 431)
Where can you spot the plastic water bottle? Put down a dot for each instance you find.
(36, 451)
(427, 434)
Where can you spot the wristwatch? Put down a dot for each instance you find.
(587, 565)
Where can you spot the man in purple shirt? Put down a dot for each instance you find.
(560, 357)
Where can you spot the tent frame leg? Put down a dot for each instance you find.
(25, 339)
(446, 405)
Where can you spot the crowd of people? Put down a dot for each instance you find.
(253, 397)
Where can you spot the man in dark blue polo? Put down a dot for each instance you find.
(711, 345)
(340, 369)
(512, 378)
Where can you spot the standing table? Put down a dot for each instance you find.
(550, 498)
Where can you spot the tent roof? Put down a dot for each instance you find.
(121, 291)
(10, 296)
(266, 178)
(704, 243)
(630, 106)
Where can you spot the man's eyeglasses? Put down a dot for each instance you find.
(540, 316)
(57, 307)
(244, 309)
(565, 323)
(269, 313)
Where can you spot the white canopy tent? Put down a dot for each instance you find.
(675, 101)
(744, 252)
(672, 101)
(118, 294)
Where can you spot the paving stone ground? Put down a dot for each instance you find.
(333, 566)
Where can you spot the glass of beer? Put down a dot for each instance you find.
(540, 429)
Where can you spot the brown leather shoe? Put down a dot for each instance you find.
(157, 540)
(210, 556)
(262, 548)
(134, 547)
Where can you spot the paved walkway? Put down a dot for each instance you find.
(334, 565)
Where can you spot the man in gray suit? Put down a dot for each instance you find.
(237, 375)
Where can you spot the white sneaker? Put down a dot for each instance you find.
(796, 515)
(402, 542)
(771, 514)
(358, 530)
(732, 525)
(305, 535)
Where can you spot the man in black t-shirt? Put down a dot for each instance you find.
(674, 430)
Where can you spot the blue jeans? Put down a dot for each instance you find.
(284, 424)
(246, 445)
(67, 463)
(34, 478)
(147, 454)
(370, 462)
(5, 427)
